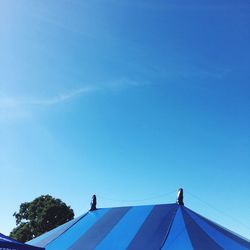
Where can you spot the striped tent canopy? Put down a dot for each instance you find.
(7, 243)
(166, 226)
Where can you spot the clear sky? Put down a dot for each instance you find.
(129, 100)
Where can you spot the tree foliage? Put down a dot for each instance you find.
(39, 216)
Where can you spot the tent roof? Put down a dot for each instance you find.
(166, 226)
(8, 243)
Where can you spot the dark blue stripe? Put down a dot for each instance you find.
(198, 237)
(100, 229)
(16, 246)
(126, 229)
(224, 231)
(67, 239)
(154, 230)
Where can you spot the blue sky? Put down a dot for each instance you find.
(128, 100)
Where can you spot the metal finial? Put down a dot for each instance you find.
(93, 203)
(180, 197)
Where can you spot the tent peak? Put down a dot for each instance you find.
(93, 203)
(180, 197)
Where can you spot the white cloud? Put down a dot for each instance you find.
(61, 97)
(14, 107)
(15, 102)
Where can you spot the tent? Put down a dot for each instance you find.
(7, 243)
(151, 227)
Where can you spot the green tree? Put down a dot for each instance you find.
(39, 216)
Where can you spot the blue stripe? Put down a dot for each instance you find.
(64, 241)
(221, 236)
(17, 246)
(154, 231)
(198, 237)
(46, 238)
(178, 237)
(97, 232)
(124, 231)
(4, 238)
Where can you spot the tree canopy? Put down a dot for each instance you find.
(39, 216)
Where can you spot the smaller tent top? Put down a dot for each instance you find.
(9, 243)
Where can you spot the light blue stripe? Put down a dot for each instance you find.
(124, 231)
(68, 238)
(178, 237)
(35, 242)
(217, 236)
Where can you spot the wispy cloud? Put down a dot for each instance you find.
(12, 108)
(61, 97)
(12, 102)
(17, 106)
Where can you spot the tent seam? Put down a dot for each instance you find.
(164, 241)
